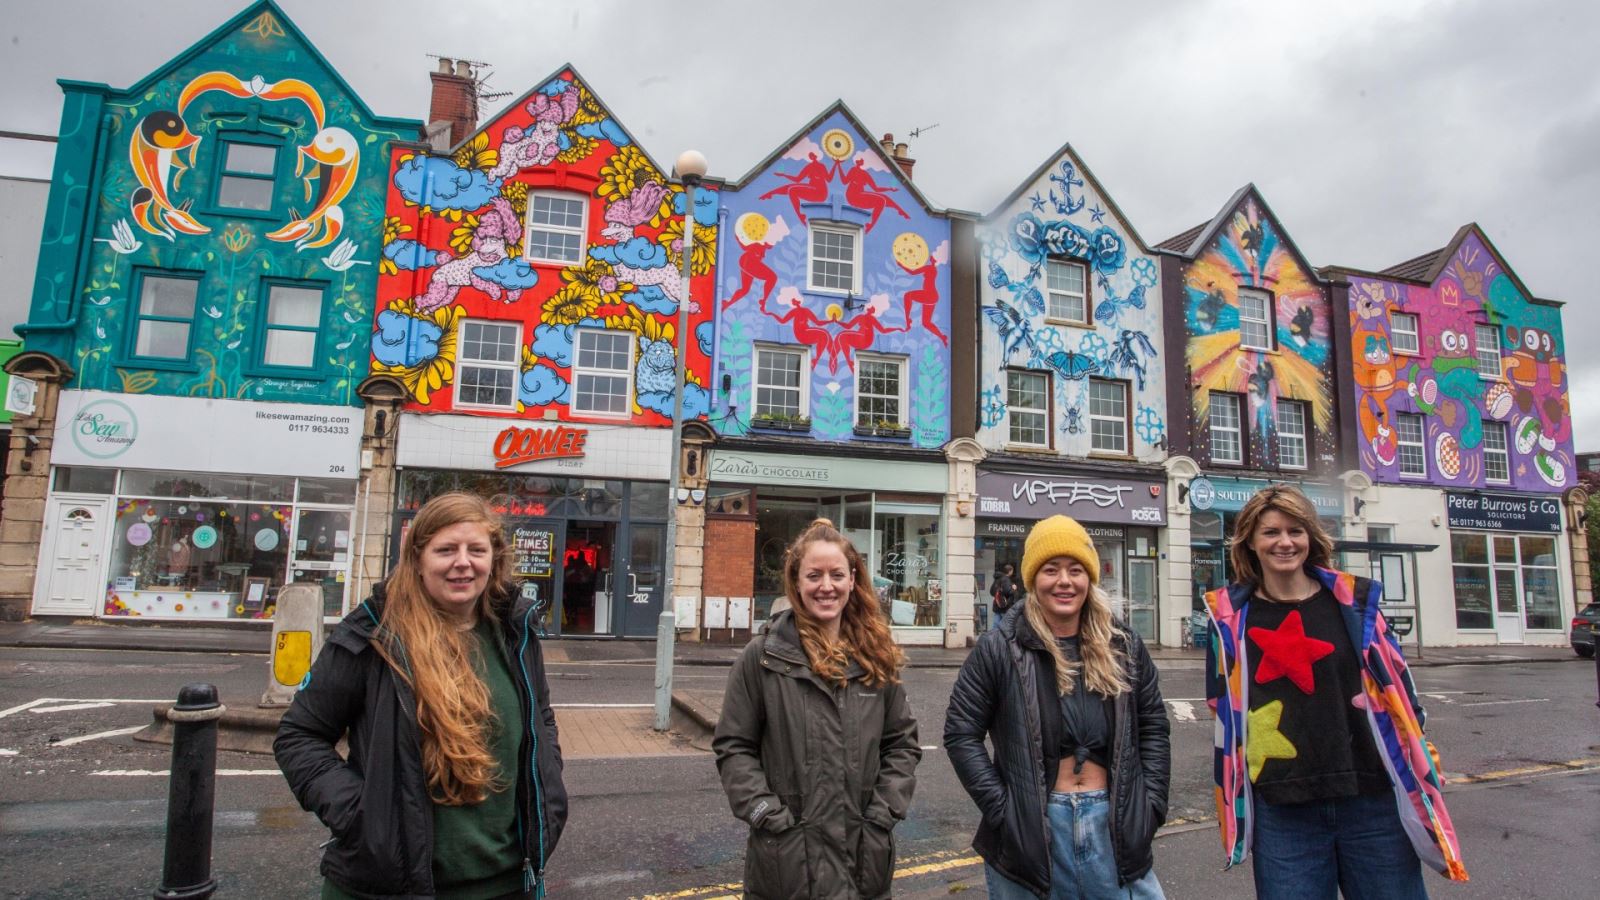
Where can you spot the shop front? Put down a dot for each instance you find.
(585, 508)
(757, 503)
(1507, 561)
(1123, 514)
(1214, 504)
(179, 508)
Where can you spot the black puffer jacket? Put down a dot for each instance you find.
(376, 803)
(997, 695)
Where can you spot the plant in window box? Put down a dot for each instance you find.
(886, 428)
(779, 421)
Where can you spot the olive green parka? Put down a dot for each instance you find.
(821, 772)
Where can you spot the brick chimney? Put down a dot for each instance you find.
(897, 152)
(453, 110)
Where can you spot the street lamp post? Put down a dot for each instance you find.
(691, 167)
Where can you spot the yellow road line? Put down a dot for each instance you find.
(1574, 765)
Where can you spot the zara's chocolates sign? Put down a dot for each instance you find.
(1114, 500)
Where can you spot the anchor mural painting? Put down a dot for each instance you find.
(1460, 373)
(535, 270)
(835, 313)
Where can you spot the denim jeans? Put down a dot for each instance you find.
(1082, 864)
(1316, 850)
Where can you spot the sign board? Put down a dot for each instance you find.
(20, 395)
(138, 431)
(533, 547)
(1401, 625)
(1503, 512)
(470, 443)
(1107, 498)
(1213, 492)
(727, 467)
(515, 446)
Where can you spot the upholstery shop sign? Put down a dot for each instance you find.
(1117, 500)
(1503, 512)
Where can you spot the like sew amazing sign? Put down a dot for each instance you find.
(1112, 500)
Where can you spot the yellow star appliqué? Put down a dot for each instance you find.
(1265, 740)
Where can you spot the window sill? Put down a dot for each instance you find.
(164, 365)
(779, 425)
(897, 433)
(307, 375)
(1103, 454)
(1069, 323)
(1231, 463)
(1034, 449)
(223, 212)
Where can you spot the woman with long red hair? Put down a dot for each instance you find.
(452, 786)
(816, 744)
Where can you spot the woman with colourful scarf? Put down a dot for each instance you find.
(1323, 774)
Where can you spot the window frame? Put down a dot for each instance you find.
(1270, 322)
(1395, 331)
(514, 366)
(1421, 444)
(1238, 430)
(1048, 410)
(902, 399)
(1478, 357)
(130, 355)
(1304, 434)
(263, 326)
(220, 173)
(1491, 426)
(1126, 419)
(1087, 298)
(818, 226)
(577, 369)
(799, 354)
(581, 230)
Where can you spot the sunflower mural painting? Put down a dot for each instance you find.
(535, 269)
(230, 224)
(1257, 333)
(835, 301)
(1460, 373)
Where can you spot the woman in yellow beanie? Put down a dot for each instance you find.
(1071, 701)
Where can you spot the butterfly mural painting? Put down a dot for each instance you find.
(1072, 365)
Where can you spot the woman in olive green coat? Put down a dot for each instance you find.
(816, 744)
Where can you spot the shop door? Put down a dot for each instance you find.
(536, 544)
(643, 578)
(588, 579)
(71, 580)
(1142, 597)
(320, 555)
(1507, 591)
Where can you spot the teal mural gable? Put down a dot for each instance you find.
(214, 230)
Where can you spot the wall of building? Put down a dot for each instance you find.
(1062, 214)
(1441, 381)
(454, 249)
(732, 544)
(23, 199)
(1418, 516)
(152, 158)
(833, 171)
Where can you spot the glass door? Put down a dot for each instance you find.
(1507, 591)
(644, 580)
(1142, 597)
(320, 554)
(588, 578)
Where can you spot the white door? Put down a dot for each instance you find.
(71, 577)
(1507, 606)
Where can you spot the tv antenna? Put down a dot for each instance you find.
(481, 73)
(917, 132)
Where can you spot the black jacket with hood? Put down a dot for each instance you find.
(821, 772)
(1006, 691)
(376, 803)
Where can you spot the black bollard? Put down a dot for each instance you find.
(191, 795)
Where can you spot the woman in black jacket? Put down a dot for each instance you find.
(453, 785)
(1069, 697)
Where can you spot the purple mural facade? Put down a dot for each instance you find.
(833, 299)
(1461, 382)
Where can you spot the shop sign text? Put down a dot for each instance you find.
(1503, 512)
(515, 446)
(105, 429)
(1089, 499)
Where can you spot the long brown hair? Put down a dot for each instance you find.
(1102, 662)
(434, 657)
(863, 630)
(1288, 500)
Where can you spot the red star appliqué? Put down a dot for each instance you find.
(1287, 651)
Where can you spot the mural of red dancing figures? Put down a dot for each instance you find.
(1459, 373)
(537, 268)
(835, 315)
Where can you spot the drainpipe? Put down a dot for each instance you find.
(716, 310)
(91, 220)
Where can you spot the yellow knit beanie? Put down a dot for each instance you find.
(1053, 537)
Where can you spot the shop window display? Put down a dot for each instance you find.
(175, 558)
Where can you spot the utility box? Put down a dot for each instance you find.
(296, 641)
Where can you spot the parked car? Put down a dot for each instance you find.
(1585, 626)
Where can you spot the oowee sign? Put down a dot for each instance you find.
(1503, 512)
(1127, 501)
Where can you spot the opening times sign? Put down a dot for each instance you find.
(1503, 512)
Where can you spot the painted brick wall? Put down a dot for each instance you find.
(730, 548)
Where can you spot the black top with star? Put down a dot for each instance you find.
(1309, 737)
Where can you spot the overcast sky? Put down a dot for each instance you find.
(1374, 129)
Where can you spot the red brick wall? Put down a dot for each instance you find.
(454, 100)
(730, 558)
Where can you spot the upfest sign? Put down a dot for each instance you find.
(1112, 500)
(515, 446)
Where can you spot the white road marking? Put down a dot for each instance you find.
(1182, 710)
(602, 706)
(115, 732)
(933, 747)
(96, 704)
(71, 701)
(163, 773)
(1505, 702)
(22, 707)
(4, 752)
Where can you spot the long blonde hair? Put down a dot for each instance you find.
(863, 631)
(435, 659)
(1103, 663)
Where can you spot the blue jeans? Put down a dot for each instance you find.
(1082, 863)
(1314, 851)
